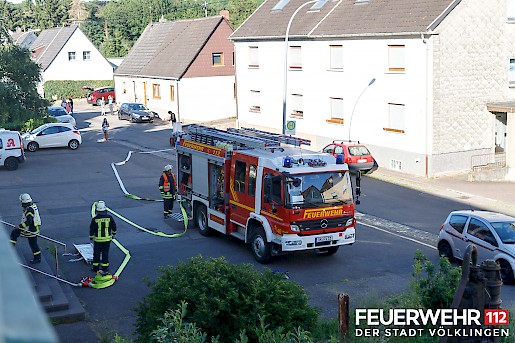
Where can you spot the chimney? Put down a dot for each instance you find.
(225, 14)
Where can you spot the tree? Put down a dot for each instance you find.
(50, 13)
(78, 10)
(19, 76)
(240, 10)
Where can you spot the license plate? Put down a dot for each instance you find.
(323, 239)
(362, 160)
(144, 118)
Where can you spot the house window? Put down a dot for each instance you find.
(218, 59)
(156, 91)
(511, 72)
(396, 115)
(86, 55)
(510, 10)
(297, 105)
(396, 58)
(295, 57)
(255, 101)
(253, 57)
(71, 56)
(172, 93)
(336, 111)
(336, 61)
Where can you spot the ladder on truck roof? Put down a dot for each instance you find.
(210, 136)
(295, 141)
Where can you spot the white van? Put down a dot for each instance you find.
(11, 149)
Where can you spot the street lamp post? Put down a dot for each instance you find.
(356, 103)
(286, 60)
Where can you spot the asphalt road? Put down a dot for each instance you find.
(65, 183)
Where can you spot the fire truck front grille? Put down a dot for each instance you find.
(321, 224)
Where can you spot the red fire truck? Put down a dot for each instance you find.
(264, 189)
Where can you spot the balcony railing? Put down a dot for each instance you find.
(488, 161)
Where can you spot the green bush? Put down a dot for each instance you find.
(54, 90)
(224, 299)
(29, 125)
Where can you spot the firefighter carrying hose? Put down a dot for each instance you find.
(101, 231)
(29, 226)
(168, 189)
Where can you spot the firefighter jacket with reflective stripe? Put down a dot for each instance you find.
(102, 227)
(31, 221)
(167, 188)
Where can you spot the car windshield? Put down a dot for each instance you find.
(318, 190)
(358, 150)
(57, 111)
(505, 231)
(137, 107)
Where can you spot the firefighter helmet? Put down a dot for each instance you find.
(25, 198)
(168, 167)
(101, 206)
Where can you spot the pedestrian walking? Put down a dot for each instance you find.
(105, 129)
(68, 107)
(70, 101)
(110, 101)
(101, 231)
(103, 106)
(168, 189)
(63, 102)
(29, 226)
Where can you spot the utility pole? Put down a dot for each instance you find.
(204, 6)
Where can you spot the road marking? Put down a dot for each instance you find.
(397, 235)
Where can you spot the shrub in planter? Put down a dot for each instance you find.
(224, 299)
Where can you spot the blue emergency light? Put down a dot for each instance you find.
(339, 159)
(287, 162)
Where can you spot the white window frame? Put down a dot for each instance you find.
(511, 72)
(253, 57)
(297, 105)
(510, 11)
(255, 101)
(336, 57)
(396, 58)
(295, 57)
(72, 56)
(86, 55)
(396, 118)
(336, 107)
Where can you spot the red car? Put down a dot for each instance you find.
(356, 155)
(97, 94)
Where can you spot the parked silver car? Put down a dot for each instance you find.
(492, 233)
(61, 115)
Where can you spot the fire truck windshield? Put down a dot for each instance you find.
(318, 190)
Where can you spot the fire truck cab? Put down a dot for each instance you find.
(264, 189)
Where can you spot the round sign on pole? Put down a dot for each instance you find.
(291, 125)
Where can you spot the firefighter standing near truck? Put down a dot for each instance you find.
(168, 189)
(29, 226)
(101, 231)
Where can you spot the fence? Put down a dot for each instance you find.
(488, 161)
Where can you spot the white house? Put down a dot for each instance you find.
(185, 66)
(65, 53)
(425, 84)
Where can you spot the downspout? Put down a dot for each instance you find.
(426, 106)
(178, 107)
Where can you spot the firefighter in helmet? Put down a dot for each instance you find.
(168, 189)
(29, 226)
(101, 231)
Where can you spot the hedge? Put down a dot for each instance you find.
(54, 90)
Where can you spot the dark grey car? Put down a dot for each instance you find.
(136, 113)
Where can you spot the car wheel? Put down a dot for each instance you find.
(201, 221)
(326, 251)
(133, 120)
(73, 144)
(506, 271)
(32, 146)
(11, 163)
(260, 247)
(445, 250)
(151, 121)
(119, 116)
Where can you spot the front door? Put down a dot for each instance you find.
(500, 132)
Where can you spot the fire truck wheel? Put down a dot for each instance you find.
(260, 247)
(201, 221)
(327, 251)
